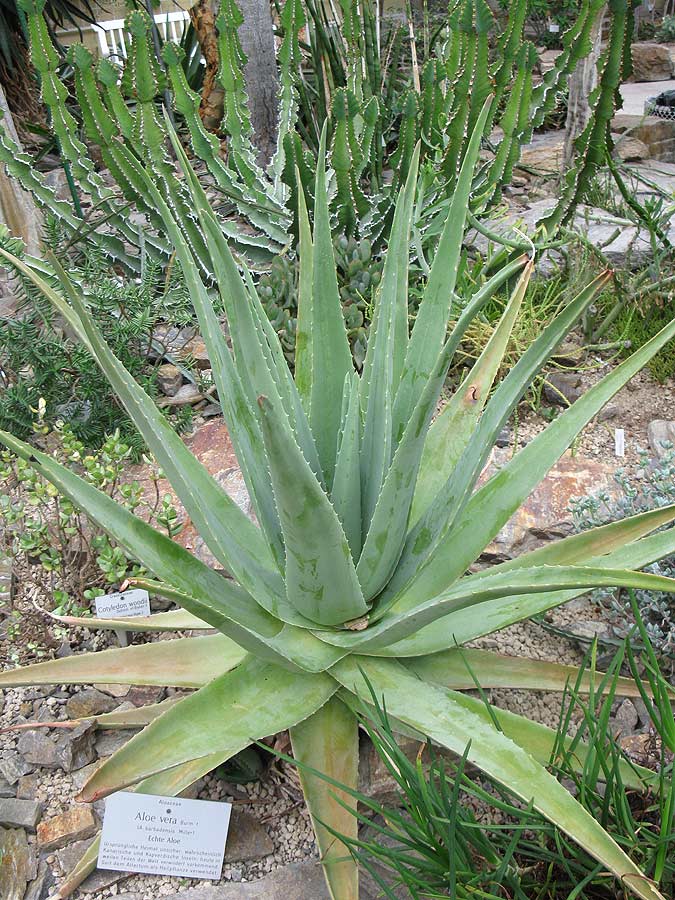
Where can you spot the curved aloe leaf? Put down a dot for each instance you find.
(174, 620)
(451, 431)
(481, 588)
(184, 662)
(474, 622)
(252, 701)
(328, 741)
(446, 719)
(346, 493)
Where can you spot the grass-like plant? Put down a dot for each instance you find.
(369, 519)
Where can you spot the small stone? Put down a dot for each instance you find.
(625, 719)
(115, 690)
(568, 354)
(18, 864)
(247, 839)
(169, 379)
(88, 703)
(195, 349)
(13, 766)
(20, 813)
(661, 432)
(76, 824)
(76, 748)
(562, 388)
(503, 438)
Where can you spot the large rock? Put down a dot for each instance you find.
(89, 702)
(76, 824)
(20, 813)
(655, 134)
(18, 864)
(661, 433)
(630, 149)
(545, 153)
(651, 62)
(545, 514)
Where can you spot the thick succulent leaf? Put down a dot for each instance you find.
(386, 343)
(321, 580)
(304, 344)
(451, 431)
(254, 700)
(432, 318)
(223, 525)
(174, 620)
(184, 662)
(437, 522)
(460, 669)
(439, 714)
(578, 548)
(488, 510)
(474, 622)
(330, 355)
(477, 589)
(139, 716)
(538, 740)
(328, 741)
(346, 493)
(205, 593)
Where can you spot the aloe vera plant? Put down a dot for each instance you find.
(368, 520)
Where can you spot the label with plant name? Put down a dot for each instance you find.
(135, 602)
(164, 835)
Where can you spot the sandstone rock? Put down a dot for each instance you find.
(545, 514)
(630, 149)
(76, 824)
(195, 350)
(18, 864)
(89, 702)
(568, 354)
(246, 839)
(142, 695)
(40, 887)
(661, 432)
(651, 62)
(545, 153)
(169, 379)
(20, 813)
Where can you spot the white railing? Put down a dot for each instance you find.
(114, 40)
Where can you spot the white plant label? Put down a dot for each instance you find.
(553, 27)
(164, 835)
(619, 442)
(135, 602)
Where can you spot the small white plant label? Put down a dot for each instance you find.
(135, 602)
(164, 835)
(619, 442)
(553, 27)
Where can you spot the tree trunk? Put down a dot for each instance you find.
(261, 74)
(17, 209)
(581, 83)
